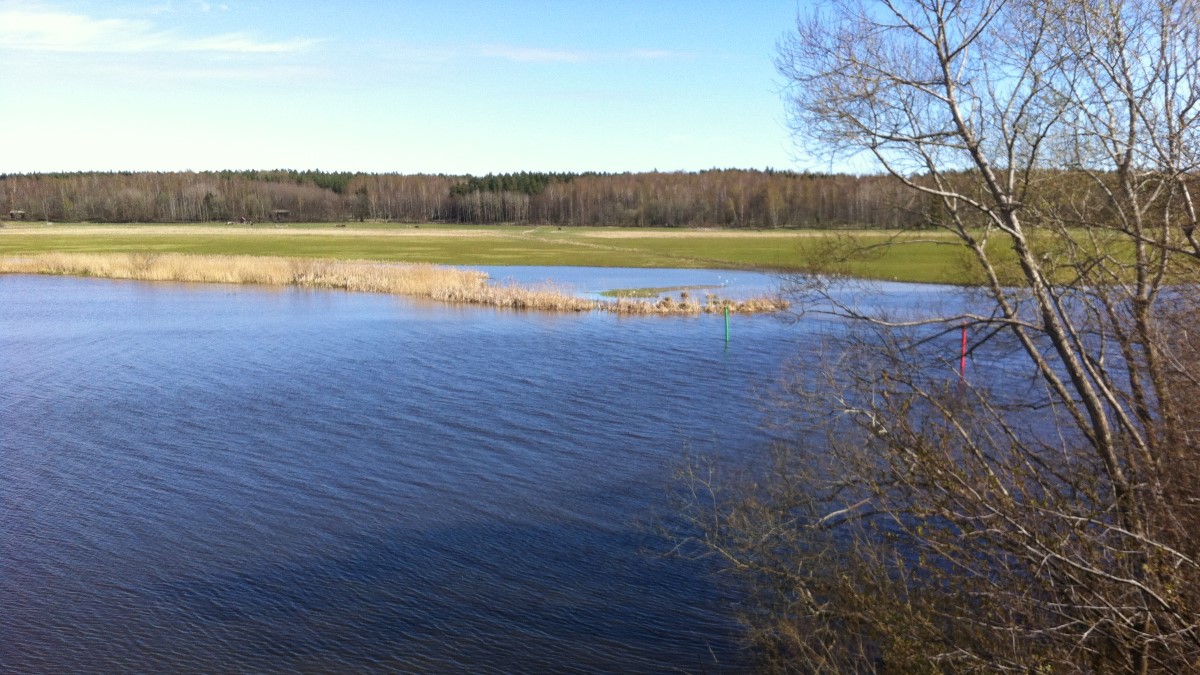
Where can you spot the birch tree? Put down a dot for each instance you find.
(1045, 515)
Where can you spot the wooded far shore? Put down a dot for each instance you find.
(715, 198)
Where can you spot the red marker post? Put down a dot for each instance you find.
(962, 361)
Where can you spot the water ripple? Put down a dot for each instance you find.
(201, 479)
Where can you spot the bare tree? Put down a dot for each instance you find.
(1042, 518)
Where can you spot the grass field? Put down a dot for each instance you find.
(921, 258)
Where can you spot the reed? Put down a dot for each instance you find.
(419, 280)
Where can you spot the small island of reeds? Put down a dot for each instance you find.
(417, 280)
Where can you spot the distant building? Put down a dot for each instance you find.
(16, 215)
(280, 215)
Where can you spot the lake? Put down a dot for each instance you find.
(219, 478)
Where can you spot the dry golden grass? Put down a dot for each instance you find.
(711, 305)
(445, 284)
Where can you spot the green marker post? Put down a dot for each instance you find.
(727, 323)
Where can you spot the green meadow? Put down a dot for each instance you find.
(919, 257)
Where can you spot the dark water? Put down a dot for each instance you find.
(213, 478)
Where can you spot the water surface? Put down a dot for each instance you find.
(213, 478)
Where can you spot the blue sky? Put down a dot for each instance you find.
(408, 86)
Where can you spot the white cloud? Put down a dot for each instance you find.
(62, 32)
(208, 6)
(540, 55)
(534, 54)
(654, 54)
(243, 43)
(169, 7)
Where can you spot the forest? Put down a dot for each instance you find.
(715, 198)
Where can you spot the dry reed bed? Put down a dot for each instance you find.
(445, 284)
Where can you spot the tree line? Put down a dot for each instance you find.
(715, 198)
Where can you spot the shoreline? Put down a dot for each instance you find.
(418, 280)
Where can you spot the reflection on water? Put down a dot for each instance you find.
(212, 478)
